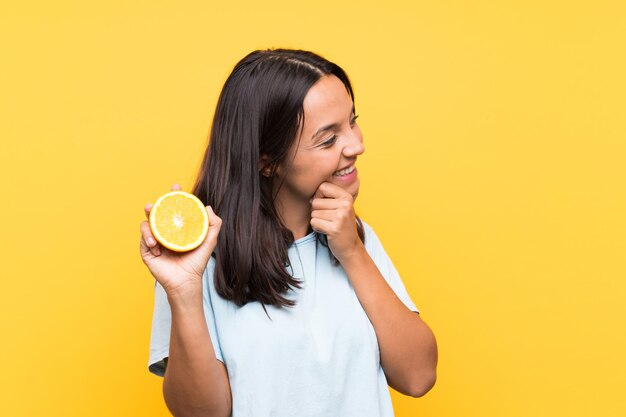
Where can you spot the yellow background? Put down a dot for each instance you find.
(494, 175)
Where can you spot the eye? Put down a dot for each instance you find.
(353, 121)
(330, 141)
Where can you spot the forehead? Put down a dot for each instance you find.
(326, 102)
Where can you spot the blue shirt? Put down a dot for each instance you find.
(317, 359)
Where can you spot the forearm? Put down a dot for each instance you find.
(407, 345)
(193, 385)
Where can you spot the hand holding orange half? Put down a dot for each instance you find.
(178, 239)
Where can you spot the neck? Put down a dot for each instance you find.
(296, 219)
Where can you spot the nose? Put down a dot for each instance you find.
(354, 146)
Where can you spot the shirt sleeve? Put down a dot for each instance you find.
(375, 249)
(162, 322)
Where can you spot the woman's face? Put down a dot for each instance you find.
(327, 148)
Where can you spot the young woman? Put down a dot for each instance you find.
(291, 306)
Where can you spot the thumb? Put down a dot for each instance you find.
(215, 224)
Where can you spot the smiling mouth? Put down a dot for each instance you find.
(344, 172)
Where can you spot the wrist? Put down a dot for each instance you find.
(355, 256)
(189, 294)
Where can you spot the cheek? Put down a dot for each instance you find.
(318, 168)
(310, 172)
(308, 177)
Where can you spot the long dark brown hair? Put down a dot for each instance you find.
(259, 113)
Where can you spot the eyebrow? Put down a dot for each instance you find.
(329, 127)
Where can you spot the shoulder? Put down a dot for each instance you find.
(372, 242)
(367, 229)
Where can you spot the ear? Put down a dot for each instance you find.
(265, 168)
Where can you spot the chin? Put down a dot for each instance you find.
(355, 193)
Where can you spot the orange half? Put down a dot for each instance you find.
(179, 221)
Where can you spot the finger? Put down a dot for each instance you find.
(176, 187)
(329, 215)
(328, 203)
(214, 221)
(144, 249)
(215, 224)
(148, 240)
(329, 190)
(322, 226)
(147, 209)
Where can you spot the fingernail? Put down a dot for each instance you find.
(151, 241)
